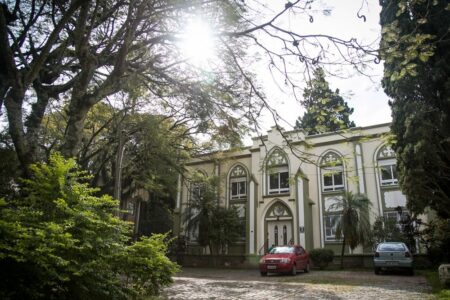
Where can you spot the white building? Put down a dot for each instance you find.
(284, 184)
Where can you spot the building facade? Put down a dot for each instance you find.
(284, 185)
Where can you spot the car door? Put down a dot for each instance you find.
(302, 258)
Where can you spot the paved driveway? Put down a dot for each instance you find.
(200, 283)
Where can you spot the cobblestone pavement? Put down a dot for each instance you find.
(248, 284)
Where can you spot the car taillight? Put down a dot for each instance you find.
(407, 254)
(377, 254)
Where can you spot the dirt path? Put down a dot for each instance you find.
(248, 284)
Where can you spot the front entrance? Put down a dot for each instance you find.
(279, 233)
(278, 225)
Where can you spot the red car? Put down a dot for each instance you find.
(284, 259)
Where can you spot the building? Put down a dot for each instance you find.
(284, 186)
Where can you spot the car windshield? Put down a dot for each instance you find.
(277, 250)
(391, 247)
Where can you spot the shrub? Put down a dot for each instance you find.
(60, 241)
(321, 257)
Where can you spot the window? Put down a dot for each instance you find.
(388, 172)
(395, 218)
(277, 173)
(332, 173)
(279, 181)
(240, 208)
(387, 166)
(238, 183)
(331, 222)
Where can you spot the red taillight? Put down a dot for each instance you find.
(377, 254)
(407, 254)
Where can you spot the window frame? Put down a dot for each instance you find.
(332, 171)
(391, 164)
(277, 171)
(238, 181)
(332, 236)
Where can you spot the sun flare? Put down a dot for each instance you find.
(197, 43)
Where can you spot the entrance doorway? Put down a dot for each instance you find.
(279, 232)
(278, 225)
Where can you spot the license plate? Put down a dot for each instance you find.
(391, 263)
(271, 267)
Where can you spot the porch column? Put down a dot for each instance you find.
(301, 211)
(251, 218)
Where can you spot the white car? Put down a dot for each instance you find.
(393, 255)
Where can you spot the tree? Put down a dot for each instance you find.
(414, 47)
(86, 52)
(353, 227)
(60, 241)
(325, 110)
(212, 225)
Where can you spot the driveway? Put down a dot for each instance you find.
(202, 283)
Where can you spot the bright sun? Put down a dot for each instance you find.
(197, 43)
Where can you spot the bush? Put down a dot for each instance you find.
(60, 241)
(321, 257)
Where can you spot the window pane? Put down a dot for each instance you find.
(242, 188)
(234, 188)
(327, 180)
(338, 180)
(273, 181)
(284, 180)
(394, 172)
(386, 173)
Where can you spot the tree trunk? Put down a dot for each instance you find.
(74, 132)
(342, 253)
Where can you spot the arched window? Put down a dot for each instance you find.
(238, 183)
(387, 166)
(332, 172)
(277, 169)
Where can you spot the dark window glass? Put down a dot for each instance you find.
(386, 173)
(338, 178)
(273, 184)
(284, 180)
(234, 188)
(242, 188)
(327, 180)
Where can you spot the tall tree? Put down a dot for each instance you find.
(325, 110)
(415, 48)
(84, 52)
(354, 225)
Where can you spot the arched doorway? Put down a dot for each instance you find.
(278, 224)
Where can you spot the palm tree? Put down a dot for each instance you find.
(354, 225)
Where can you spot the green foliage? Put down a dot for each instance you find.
(215, 226)
(354, 225)
(59, 241)
(436, 237)
(321, 257)
(225, 227)
(385, 231)
(325, 110)
(414, 48)
(9, 167)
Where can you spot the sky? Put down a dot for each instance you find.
(363, 93)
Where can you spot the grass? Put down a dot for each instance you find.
(433, 280)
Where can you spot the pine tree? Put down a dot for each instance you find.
(415, 48)
(325, 110)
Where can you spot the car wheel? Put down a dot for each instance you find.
(307, 268)
(293, 270)
(263, 273)
(377, 271)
